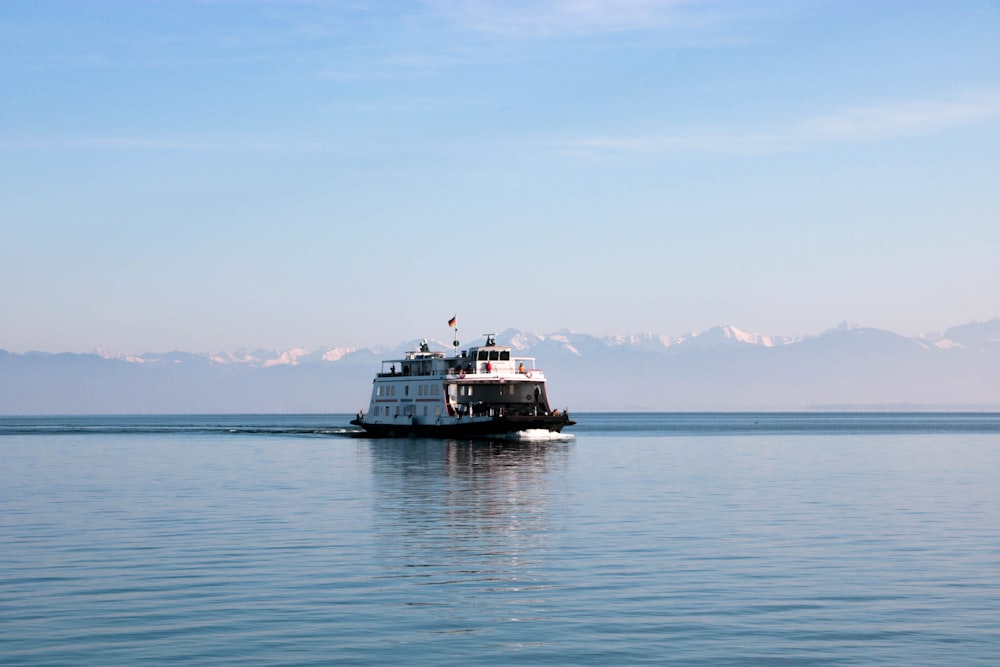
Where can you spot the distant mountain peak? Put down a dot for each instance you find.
(564, 339)
(974, 334)
(131, 358)
(336, 353)
(728, 335)
(645, 340)
(846, 325)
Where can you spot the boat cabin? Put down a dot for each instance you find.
(482, 389)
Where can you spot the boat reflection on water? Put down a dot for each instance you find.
(508, 460)
(475, 479)
(461, 523)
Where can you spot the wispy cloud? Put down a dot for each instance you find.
(903, 119)
(553, 18)
(154, 143)
(409, 62)
(445, 34)
(854, 124)
(861, 123)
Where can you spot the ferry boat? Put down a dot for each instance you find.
(485, 390)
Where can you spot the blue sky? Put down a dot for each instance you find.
(224, 174)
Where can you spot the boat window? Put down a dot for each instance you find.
(484, 355)
(494, 355)
(504, 355)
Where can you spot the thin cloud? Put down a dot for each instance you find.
(554, 18)
(154, 143)
(855, 124)
(890, 121)
(868, 123)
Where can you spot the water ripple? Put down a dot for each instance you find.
(203, 546)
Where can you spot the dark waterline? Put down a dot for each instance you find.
(631, 423)
(688, 539)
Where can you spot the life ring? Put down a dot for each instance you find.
(527, 374)
(461, 374)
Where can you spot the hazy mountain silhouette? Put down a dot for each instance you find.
(848, 367)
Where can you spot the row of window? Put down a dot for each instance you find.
(408, 410)
(493, 355)
(466, 389)
(422, 390)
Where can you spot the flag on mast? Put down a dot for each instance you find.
(451, 322)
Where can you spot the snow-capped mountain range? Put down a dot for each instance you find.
(723, 368)
(974, 336)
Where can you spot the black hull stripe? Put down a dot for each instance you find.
(498, 426)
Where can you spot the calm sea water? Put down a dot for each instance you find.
(748, 539)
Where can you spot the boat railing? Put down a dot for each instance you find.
(460, 371)
(529, 373)
(516, 368)
(408, 373)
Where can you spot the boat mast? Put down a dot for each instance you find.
(453, 323)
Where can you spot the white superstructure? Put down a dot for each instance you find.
(485, 389)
